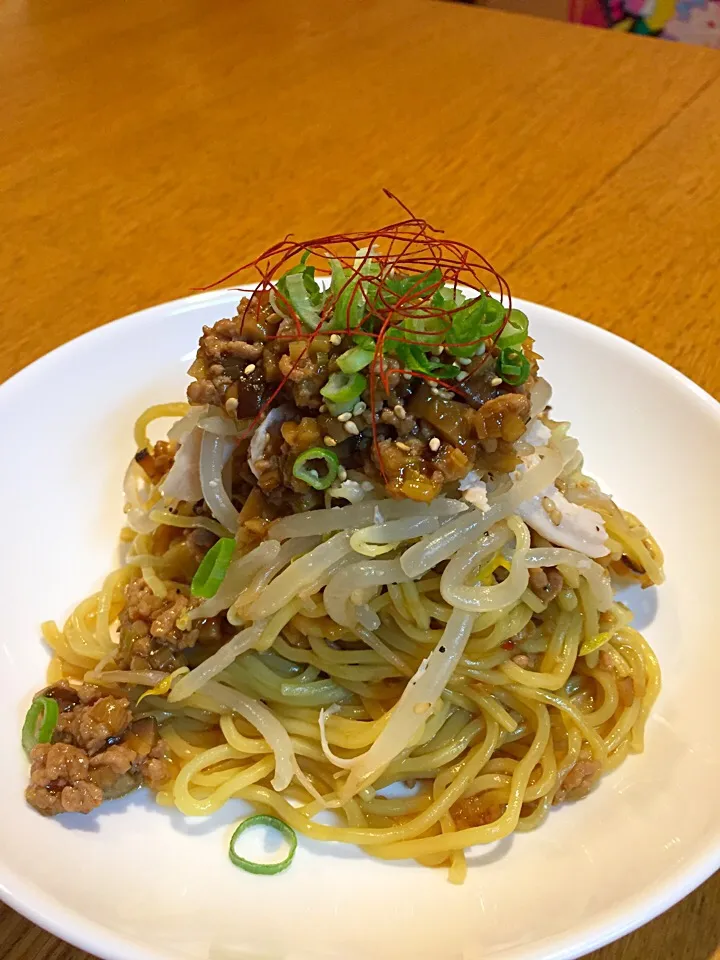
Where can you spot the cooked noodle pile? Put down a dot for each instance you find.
(437, 667)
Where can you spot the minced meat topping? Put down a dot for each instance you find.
(413, 436)
(97, 752)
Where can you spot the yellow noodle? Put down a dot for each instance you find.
(178, 520)
(567, 632)
(507, 733)
(193, 806)
(413, 603)
(155, 413)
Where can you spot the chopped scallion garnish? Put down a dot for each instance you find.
(343, 387)
(301, 290)
(300, 299)
(515, 330)
(351, 293)
(40, 721)
(303, 470)
(211, 572)
(479, 319)
(355, 359)
(513, 366)
(264, 820)
(413, 286)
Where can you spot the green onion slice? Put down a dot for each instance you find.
(355, 359)
(513, 366)
(301, 301)
(211, 572)
(515, 330)
(343, 387)
(310, 475)
(40, 721)
(351, 292)
(479, 319)
(264, 820)
(492, 316)
(299, 287)
(365, 343)
(337, 409)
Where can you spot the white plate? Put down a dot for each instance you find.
(136, 882)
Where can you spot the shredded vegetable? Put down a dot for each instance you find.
(162, 688)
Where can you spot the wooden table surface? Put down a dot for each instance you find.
(147, 147)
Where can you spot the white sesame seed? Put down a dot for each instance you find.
(335, 340)
(462, 376)
(231, 404)
(344, 417)
(407, 376)
(342, 474)
(250, 368)
(463, 361)
(434, 390)
(399, 411)
(351, 428)
(434, 444)
(359, 408)
(323, 408)
(402, 446)
(445, 394)
(496, 381)
(329, 442)
(436, 351)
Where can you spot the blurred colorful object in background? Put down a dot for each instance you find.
(689, 21)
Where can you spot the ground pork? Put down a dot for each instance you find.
(229, 363)
(306, 378)
(148, 626)
(258, 358)
(97, 753)
(579, 780)
(60, 780)
(93, 726)
(404, 426)
(475, 812)
(546, 583)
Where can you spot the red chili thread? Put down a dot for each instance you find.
(412, 247)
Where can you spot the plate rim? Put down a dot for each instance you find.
(43, 910)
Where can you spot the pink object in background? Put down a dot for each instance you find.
(688, 21)
(589, 12)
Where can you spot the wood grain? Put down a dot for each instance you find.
(650, 272)
(147, 148)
